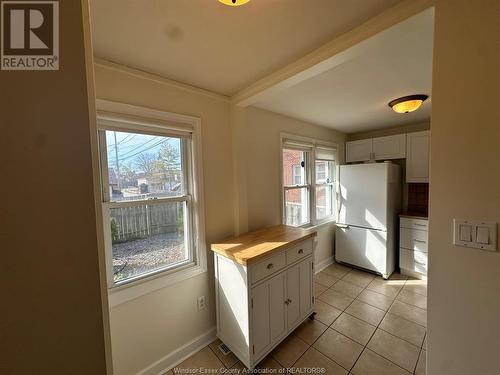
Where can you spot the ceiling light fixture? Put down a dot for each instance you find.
(407, 104)
(234, 3)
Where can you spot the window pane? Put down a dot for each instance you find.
(294, 171)
(324, 201)
(324, 171)
(297, 206)
(143, 166)
(146, 238)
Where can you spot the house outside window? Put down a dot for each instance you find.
(308, 182)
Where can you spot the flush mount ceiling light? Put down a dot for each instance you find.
(407, 104)
(234, 3)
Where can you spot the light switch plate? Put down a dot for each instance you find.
(484, 239)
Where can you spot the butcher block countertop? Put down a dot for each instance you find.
(250, 247)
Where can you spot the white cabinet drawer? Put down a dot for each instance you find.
(413, 239)
(299, 251)
(407, 222)
(415, 261)
(268, 266)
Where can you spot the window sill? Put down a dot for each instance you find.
(128, 291)
(322, 224)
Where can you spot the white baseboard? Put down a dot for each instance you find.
(320, 266)
(172, 359)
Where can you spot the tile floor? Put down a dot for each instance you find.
(364, 326)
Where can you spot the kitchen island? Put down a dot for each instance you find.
(264, 288)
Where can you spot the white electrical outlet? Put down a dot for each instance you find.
(202, 303)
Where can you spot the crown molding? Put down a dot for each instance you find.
(107, 64)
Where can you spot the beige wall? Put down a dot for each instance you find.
(148, 328)
(51, 316)
(258, 153)
(389, 131)
(464, 284)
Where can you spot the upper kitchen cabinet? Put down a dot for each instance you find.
(359, 150)
(417, 156)
(391, 147)
(382, 148)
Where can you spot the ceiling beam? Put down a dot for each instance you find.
(329, 55)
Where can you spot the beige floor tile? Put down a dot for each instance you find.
(228, 360)
(398, 276)
(354, 328)
(359, 278)
(416, 286)
(404, 329)
(325, 279)
(310, 330)
(336, 299)
(205, 358)
(371, 363)
(269, 363)
(318, 289)
(347, 288)
(421, 369)
(401, 352)
(289, 351)
(409, 312)
(389, 288)
(337, 270)
(325, 313)
(414, 299)
(339, 348)
(314, 359)
(375, 299)
(365, 312)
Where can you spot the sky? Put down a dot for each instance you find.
(132, 144)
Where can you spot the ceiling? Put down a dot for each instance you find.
(219, 48)
(353, 95)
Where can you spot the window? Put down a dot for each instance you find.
(308, 198)
(296, 189)
(149, 200)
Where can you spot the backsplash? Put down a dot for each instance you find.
(418, 198)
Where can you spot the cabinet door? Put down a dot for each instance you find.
(358, 150)
(391, 147)
(268, 313)
(417, 160)
(299, 292)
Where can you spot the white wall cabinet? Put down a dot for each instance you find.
(260, 304)
(359, 150)
(381, 148)
(417, 160)
(391, 147)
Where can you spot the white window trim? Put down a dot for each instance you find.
(113, 111)
(313, 143)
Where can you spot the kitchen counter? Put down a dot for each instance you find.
(414, 215)
(250, 247)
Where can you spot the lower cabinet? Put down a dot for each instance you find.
(254, 314)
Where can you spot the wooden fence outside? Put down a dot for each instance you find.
(145, 220)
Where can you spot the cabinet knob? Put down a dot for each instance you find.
(270, 266)
(301, 251)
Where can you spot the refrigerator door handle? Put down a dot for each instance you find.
(343, 226)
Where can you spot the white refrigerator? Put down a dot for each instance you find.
(369, 201)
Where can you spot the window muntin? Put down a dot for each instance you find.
(147, 200)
